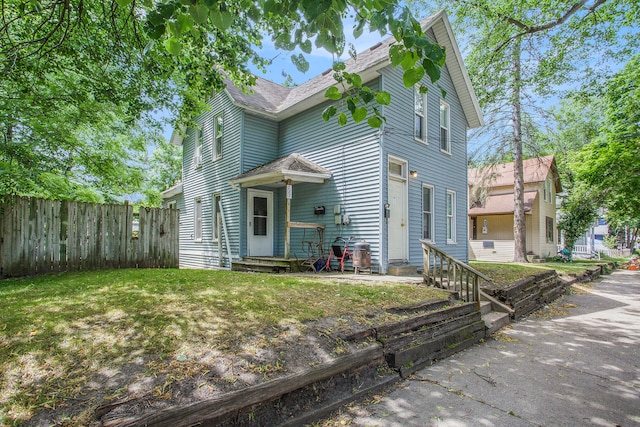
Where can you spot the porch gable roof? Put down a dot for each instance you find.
(293, 167)
(502, 204)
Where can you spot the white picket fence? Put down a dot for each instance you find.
(584, 251)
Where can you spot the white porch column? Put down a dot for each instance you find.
(287, 219)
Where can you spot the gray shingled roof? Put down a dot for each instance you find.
(281, 102)
(264, 96)
(293, 168)
(292, 162)
(273, 99)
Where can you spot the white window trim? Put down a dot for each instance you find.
(549, 220)
(197, 200)
(197, 152)
(548, 189)
(430, 187)
(172, 204)
(214, 211)
(442, 103)
(397, 161)
(214, 148)
(453, 238)
(416, 93)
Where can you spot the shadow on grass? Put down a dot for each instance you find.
(70, 342)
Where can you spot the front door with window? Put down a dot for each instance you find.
(259, 223)
(398, 221)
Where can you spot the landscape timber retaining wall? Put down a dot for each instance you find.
(527, 295)
(385, 354)
(590, 274)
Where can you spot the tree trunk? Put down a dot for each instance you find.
(519, 224)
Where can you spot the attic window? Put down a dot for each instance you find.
(375, 46)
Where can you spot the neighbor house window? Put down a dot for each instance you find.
(197, 219)
(218, 132)
(217, 217)
(427, 212)
(445, 137)
(451, 217)
(197, 156)
(549, 229)
(420, 118)
(172, 205)
(548, 190)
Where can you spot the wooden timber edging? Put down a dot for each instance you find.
(531, 293)
(303, 397)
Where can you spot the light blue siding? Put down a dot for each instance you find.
(259, 141)
(357, 157)
(352, 154)
(440, 170)
(211, 177)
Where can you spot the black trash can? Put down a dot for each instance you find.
(361, 257)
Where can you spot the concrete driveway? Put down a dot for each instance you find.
(578, 364)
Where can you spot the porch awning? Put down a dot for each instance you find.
(502, 204)
(293, 167)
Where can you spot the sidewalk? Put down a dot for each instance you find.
(581, 367)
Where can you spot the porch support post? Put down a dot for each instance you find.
(287, 220)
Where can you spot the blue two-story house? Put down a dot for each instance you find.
(265, 174)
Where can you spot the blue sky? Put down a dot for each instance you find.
(319, 59)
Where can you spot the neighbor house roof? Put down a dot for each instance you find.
(279, 102)
(293, 167)
(499, 204)
(535, 170)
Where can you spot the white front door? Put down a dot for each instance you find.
(259, 223)
(398, 224)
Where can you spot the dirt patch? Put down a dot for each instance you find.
(153, 383)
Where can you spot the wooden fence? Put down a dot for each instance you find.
(41, 236)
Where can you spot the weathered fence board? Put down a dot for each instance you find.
(41, 236)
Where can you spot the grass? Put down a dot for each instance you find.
(59, 331)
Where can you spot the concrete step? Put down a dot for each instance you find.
(485, 307)
(495, 321)
(402, 270)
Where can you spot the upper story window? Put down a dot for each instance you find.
(445, 133)
(427, 212)
(218, 131)
(451, 216)
(197, 155)
(420, 117)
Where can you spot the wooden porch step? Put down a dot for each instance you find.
(268, 261)
(265, 265)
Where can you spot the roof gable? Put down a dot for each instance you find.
(535, 170)
(271, 99)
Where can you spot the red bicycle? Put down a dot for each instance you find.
(340, 251)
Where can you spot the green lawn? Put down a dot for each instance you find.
(56, 331)
(507, 273)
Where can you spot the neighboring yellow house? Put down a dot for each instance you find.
(491, 210)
